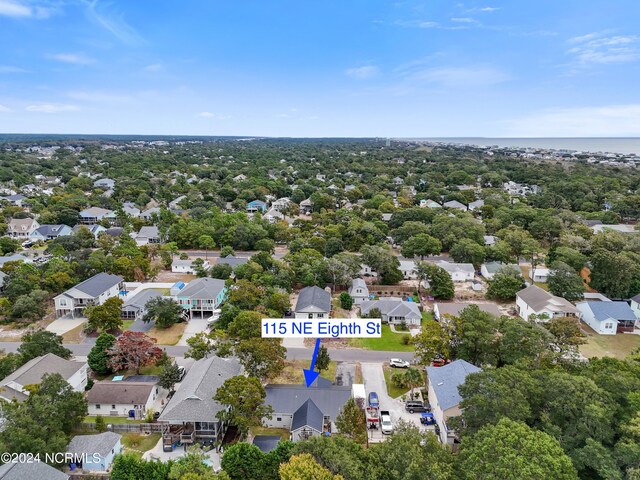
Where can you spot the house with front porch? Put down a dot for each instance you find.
(313, 302)
(608, 318)
(123, 398)
(394, 311)
(50, 232)
(202, 296)
(92, 215)
(543, 306)
(93, 291)
(191, 414)
(22, 228)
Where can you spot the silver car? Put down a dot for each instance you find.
(398, 363)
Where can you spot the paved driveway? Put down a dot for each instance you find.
(140, 326)
(374, 381)
(194, 326)
(63, 325)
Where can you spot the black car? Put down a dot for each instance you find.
(415, 406)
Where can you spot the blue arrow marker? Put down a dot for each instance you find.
(310, 375)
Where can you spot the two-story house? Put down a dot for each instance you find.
(31, 373)
(202, 296)
(93, 291)
(92, 215)
(22, 228)
(358, 291)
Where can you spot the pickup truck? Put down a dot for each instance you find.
(385, 422)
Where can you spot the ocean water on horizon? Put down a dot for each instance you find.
(625, 146)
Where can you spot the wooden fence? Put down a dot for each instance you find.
(391, 290)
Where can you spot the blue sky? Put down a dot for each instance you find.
(321, 68)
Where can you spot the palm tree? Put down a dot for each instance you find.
(413, 378)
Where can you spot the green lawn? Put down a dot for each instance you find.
(283, 432)
(108, 420)
(618, 346)
(126, 324)
(389, 341)
(392, 390)
(137, 443)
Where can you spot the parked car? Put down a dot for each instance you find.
(373, 400)
(398, 363)
(386, 426)
(416, 406)
(440, 362)
(427, 418)
(181, 371)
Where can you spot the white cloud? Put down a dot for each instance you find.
(598, 48)
(4, 109)
(457, 77)
(98, 96)
(363, 73)
(73, 58)
(22, 9)
(51, 108)
(464, 20)
(605, 121)
(215, 116)
(112, 21)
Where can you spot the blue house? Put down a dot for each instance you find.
(202, 296)
(256, 205)
(94, 453)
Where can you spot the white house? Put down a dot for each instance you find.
(607, 317)
(442, 388)
(313, 302)
(539, 275)
(489, 269)
(408, 269)
(123, 398)
(95, 453)
(429, 204)
(50, 232)
(186, 266)
(394, 311)
(22, 228)
(147, 235)
(93, 291)
(358, 291)
(459, 272)
(535, 301)
(31, 373)
(367, 271)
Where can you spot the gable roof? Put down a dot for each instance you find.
(359, 283)
(455, 204)
(203, 288)
(231, 260)
(21, 223)
(456, 267)
(308, 415)
(98, 284)
(126, 393)
(328, 398)
(193, 401)
(102, 443)
(616, 310)
(32, 372)
(493, 267)
(51, 230)
(139, 300)
(313, 297)
(148, 232)
(539, 299)
(30, 471)
(266, 443)
(96, 212)
(446, 380)
(392, 307)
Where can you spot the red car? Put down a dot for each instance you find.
(440, 362)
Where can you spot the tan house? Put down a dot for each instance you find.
(22, 227)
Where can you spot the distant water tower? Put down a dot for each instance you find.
(388, 143)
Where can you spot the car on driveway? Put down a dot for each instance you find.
(181, 372)
(415, 406)
(373, 400)
(398, 363)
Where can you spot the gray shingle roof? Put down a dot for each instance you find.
(392, 307)
(313, 297)
(202, 288)
(308, 415)
(31, 372)
(193, 402)
(50, 230)
(140, 299)
(454, 309)
(446, 380)
(102, 443)
(456, 267)
(616, 310)
(493, 267)
(125, 393)
(98, 284)
(233, 261)
(539, 299)
(289, 398)
(30, 471)
(266, 443)
(149, 232)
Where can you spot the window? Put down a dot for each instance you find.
(278, 419)
(97, 406)
(311, 315)
(113, 407)
(321, 315)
